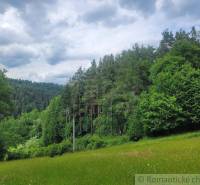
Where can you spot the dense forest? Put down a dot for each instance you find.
(27, 95)
(143, 91)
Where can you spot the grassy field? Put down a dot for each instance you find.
(109, 166)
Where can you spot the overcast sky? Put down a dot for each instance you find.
(48, 40)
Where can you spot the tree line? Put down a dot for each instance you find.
(27, 96)
(143, 91)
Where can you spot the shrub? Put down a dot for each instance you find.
(95, 142)
(17, 153)
(32, 148)
(58, 149)
(81, 143)
(116, 140)
(135, 128)
(159, 114)
(90, 142)
(53, 150)
(65, 146)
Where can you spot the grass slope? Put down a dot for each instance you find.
(109, 166)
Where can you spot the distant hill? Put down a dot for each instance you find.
(29, 95)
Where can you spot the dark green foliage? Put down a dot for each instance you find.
(90, 142)
(188, 50)
(159, 114)
(5, 96)
(32, 148)
(140, 92)
(135, 127)
(166, 43)
(2, 148)
(102, 97)
(29, 95)
(54, 123)
(58, 149)
(116, 140)
(178, 75)
(184, 85)
(173, 102)
(102, 125)
(16, 131)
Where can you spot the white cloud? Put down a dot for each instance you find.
(41, 71)
(49, 40)
(13, 28)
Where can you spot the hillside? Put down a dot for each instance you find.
(141, 92)
(99, 92)
(29, 95)
(109, 166)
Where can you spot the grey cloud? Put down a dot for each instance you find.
(35, 16)
(57, 54)
(40, 33)
(60, 52)
(147, 7)
(15, 3)
(108, 16)
(9, 36)
(100, 14)
(16, 56)
(4, 4)
(74, 56)
(61, 78)
(33, 12)
(182, 8)
(20, 4)
(62, 75)
(120, 20)
(62, 55)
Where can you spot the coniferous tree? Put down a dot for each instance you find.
(5, 96)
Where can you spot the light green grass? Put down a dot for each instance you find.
(109, 166)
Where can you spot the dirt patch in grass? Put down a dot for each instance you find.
(141, 154)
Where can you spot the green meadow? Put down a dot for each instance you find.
(108, 166)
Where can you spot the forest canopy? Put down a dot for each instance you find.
(143, 91)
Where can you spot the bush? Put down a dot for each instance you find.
(17, 153)
(40, 152)
(159, 114)
(32, 148)
(81, 143)
(53, 150)
(58, 149)
(95, 142)
(65, 146)
(135, 128)
(116, 140)
(90, 142)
